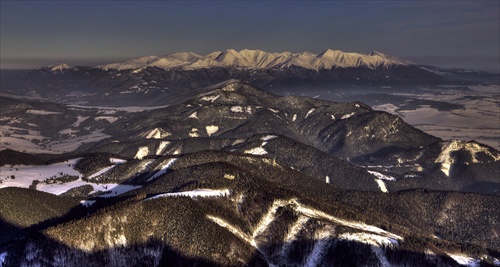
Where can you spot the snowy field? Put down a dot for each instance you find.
(24, 176)
(478, 119)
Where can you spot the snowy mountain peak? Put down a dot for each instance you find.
(257, 59)
(60, 67)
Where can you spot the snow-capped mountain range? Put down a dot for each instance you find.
(257, 59)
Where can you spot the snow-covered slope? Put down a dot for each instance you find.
(257, 59)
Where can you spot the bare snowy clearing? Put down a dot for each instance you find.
(24, 177)
(479, 119)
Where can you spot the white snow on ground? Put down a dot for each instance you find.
(260, 150)
(111, 119)
(309, 113)
(256, 151)
(211, 129)
(237, 109)
(210, 98)
(327, 179)
(294, 117)
(375, 241)
(23, 142)
(161, 147)
(163, 169)
(194, 133)
(117, 161)
(233, 229)
(371, 239)
(25, 175)
(194, 115)
(3, 257)
(292, 235)
(323, 237)
(157, 133)
(356, 225)
(79, 120)
(465, 260)
(268, 137)
(142, 152)
(71, 144)
(382, 176)
(113, 110)
(478, 120)
(196, 193)
(321, 244)
(41, 112)
(229, 87)
(238, 141)
(346, 116)
(382, 186)
(87, 203)
(273, 110)
(115, 189)
(103, 170)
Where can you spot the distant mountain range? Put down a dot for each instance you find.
(156, 80)
(257, 59)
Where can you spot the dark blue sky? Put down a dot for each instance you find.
(462, 34)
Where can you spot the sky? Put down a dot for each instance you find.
(460, 34)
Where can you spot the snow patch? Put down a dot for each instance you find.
(256, 151)
(157, 133)
(211, 129)
(346, 116)
(114, 189)
(41, 112)
(237, 141)
(448, 148)
(267, 138)
(210, 98)
(196, 193)
(327, 179)
(321, 245)
(194, 133)
(233, 229)
(382, 186)
(161, 147)
(382, 176)
(142, 152)
(164, 169)
(3, 257)
(87, 203)
(465, 260)
(294, 117)
(375, 241)
(229, 87)
(110, 119)
(194, 115)
(237, 109)
(309, 113)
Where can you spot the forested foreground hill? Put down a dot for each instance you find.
(236, 176)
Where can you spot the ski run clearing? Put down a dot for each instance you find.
(324, 237)
(196, 193)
